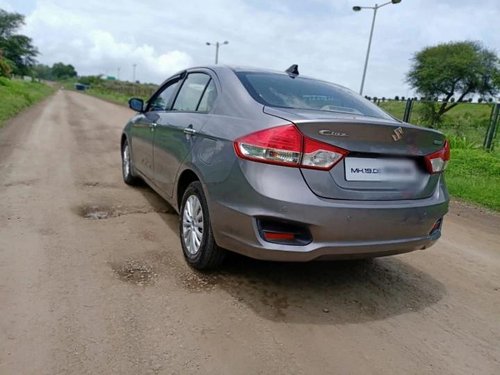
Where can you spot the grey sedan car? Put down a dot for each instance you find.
(277, 166)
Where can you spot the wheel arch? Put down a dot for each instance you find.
(186, 177)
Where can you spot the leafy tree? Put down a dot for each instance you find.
(42, 71)
(457, 68)
(16, 48)
(5, 66)
(62, 71)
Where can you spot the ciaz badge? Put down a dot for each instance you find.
(332, 133)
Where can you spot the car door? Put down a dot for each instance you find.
(143, 129)
(177, 129)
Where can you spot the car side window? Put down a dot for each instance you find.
(190, 93)
(162, 100)
(207, 100)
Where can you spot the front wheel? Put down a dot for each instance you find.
(197, 240)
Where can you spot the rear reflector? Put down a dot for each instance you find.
(283, 232)
(278, 236)
(285, 145)
(437, 161)
(436, 226)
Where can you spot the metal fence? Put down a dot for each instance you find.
(492, 130)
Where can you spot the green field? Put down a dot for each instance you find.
(15, 95)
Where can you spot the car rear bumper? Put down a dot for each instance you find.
(338, 228)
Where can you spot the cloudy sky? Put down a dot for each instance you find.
(325, 37)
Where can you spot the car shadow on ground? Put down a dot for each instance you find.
(317, 292)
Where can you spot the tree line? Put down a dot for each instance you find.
(18, 54)
(398, 98)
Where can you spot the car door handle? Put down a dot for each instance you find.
(189, 130)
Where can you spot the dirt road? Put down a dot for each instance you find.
(92, 279)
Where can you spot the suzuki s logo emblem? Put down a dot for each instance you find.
(398, 134)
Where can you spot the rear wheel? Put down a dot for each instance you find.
(197, 240)
(127, 167)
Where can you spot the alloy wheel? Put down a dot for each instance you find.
(192, 224)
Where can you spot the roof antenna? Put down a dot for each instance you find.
(293, 71)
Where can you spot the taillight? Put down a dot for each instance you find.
(285, 145)
(319, 155)
(280, 145)
(437, 161)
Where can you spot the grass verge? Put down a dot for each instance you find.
(474, 176)
(16, 95)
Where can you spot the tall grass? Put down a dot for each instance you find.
(15, 95)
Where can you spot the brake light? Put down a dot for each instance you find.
(438, 161)
(285, 145)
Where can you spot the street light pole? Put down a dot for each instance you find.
(374, 8)
(368, 50)
(217, 46)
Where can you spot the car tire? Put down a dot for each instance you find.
(128, 174)
(197, 239)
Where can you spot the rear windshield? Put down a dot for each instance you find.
(280, 90)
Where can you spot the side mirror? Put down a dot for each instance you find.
(136, 104)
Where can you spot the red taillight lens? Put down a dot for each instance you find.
(319, 155)
(437, 161)
(285, 145)
(280, 145)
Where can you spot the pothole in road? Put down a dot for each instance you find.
(99, 212)
(134, 272)
(92, 184)
(96, 212)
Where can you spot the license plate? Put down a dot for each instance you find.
(372, 169)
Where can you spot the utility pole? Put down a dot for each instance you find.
(133, 72)
(118, 73)
(217, 46)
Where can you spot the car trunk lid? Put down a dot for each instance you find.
(374, 145)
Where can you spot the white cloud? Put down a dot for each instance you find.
(325, 37)
(6, 6)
